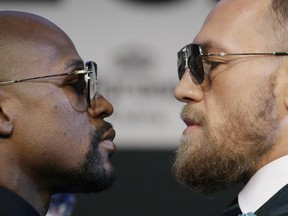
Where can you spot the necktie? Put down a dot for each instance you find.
(233, 209)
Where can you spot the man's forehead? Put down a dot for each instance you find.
(230, 10)
(241, 5)
(232, 22)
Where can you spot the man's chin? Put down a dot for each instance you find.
(99, 181)
(93, 180)
(96, 186)
(90, 187)
(103, 182)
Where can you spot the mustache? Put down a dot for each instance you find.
(106, 126)
(194, 115)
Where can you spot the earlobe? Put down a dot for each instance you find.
(6, 126)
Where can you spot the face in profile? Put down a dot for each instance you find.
(60, 137)
(232, 117)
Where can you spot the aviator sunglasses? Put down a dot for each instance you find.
(90, 73)
(191, 57)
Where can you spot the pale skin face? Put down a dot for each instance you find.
(47, 145)
(236, 93)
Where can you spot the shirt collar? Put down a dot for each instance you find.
(263, 185)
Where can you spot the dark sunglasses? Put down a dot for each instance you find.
(90, 73)
(191, 57)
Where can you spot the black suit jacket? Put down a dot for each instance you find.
(276, 205)
(13, 205)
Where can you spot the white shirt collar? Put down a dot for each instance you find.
(263, 185)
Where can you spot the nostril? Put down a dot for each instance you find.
(109, 109)
(187, 91)
(101, 108)
(179, 92)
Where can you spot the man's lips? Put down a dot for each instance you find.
(106, 142)
(108, 146)
(191, 122)
(191, 125)
(109, 134)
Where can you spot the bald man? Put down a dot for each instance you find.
(234, 84)
(53, 137)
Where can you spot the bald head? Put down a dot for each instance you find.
(27, 39)
(25, 26)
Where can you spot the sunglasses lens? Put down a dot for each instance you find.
(92, 83)
(195, 63)
(180, 64)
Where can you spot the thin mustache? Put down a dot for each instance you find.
(103, 129)
(193, 115)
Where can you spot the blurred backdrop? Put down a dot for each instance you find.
(134, 43)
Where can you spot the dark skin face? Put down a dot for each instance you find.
(48, 145)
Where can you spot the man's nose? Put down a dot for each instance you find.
(186, 91)
(101, 108)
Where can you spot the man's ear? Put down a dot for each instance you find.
(6, 126)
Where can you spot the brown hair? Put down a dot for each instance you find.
(280, 7)
(276, 30)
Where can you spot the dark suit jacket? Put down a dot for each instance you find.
(13, 205)
(276, 205)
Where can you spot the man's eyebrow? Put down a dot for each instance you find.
(75, 64)
(207, 46)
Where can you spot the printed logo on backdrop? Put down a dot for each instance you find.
(142, 97)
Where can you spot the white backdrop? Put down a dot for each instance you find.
(135, 47)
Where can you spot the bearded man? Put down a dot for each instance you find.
(234, 83)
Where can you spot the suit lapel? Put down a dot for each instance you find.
(276, 205)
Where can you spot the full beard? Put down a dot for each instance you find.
(91, 175)
(229, 152)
